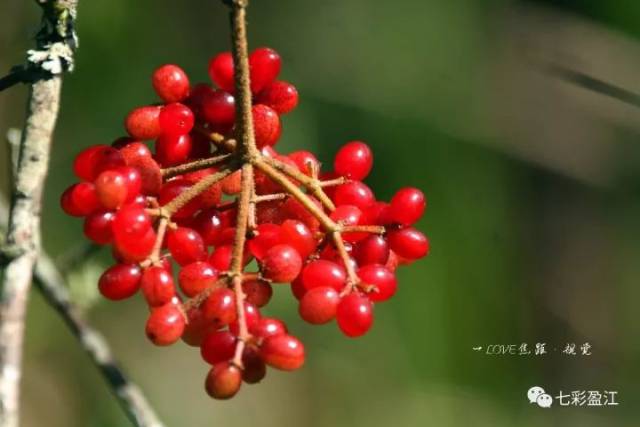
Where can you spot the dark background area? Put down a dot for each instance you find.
(533, 187)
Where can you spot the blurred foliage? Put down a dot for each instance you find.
(520, 253)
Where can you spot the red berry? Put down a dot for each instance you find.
(96, 159)
(221, 258)
(381, 278)
(218, 346)
(254, 368)
(282, 264)
(372, 250)
(80, 199)
(143, 123)
(221, 71)
(111, 189)
(267, 327)
(354, 193)
(377, 214)
(150, 174)
(232, 184)
(283, 352)
(220, 308)
(132, 150)
(133, 181)
(165, 325)
(409, 243)
(131, 223)
(407, 206)
(176, 119)
(197, 328)
(135, 250)
(354, 160)
(266, 124)
(218, 108)
(319, 305)
(296, 210)
(349, 215)
(173, 149)
(251, 316)
(209, 224)
(266, 236)
(279, 95)
(196, 277)
(157, 286)
(258, 292)
(120, 281)
(186, 246)
(354, 315)
(97, 227)
(223, 381)
(323, 273)
(264, 64)
(171, 83)
(297, 288)
(298, 235)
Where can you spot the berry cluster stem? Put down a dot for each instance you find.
(264, 165)
(195, 165)
(248, 152)
(310, 183)
(193, 192)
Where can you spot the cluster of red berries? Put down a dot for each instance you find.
(324, 233)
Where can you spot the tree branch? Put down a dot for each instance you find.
(50, 283)
(55, 43)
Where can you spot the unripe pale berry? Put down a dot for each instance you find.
(143, 123)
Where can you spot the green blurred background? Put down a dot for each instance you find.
(534, 199)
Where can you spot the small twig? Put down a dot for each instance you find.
(328, 224)
(237, 259)
(195, 166)
(56, 42)
(352, 277)
(269, 197)
(157, 246)
(373, 229)
(130, 397)
(21, 74)
(176, 204)
(225, 144)
(595, 84)
(310, 183)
